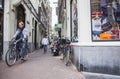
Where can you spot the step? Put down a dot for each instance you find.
(89, 75)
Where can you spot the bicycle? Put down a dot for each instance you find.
(13, 53)
(68, 56)
(67, 53)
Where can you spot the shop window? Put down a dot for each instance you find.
(105, 20)
(74, 21)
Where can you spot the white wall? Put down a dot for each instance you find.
(84, 21)
(6, 20)
(68, 34)
(35, 4)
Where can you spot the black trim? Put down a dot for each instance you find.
(105, 40)
(35, 34)
(91, 21)
(71, 19)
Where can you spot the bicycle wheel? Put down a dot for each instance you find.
(64, 54)
(10, 57)
(67, 58)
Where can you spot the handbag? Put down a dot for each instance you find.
(107, 26)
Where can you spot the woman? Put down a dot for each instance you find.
(22, 34)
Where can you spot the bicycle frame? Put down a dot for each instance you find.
(17, 48)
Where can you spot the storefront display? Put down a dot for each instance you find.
(105, 19)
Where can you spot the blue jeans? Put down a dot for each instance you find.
(45, 48)
(97, 33)
(24, 48)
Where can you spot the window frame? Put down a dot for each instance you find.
(71, 21)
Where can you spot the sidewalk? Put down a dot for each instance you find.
(39, 66)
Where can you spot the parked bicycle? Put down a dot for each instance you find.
(13, 53)
(67, 55)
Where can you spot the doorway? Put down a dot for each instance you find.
(35, 39)
(1, 35)
(20, 13)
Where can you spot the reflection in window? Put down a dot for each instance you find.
(105, 19)
(74, 21)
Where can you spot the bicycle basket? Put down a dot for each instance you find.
(11, 43)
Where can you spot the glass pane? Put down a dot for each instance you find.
(74, 22)
(105, 19)
(1, 3)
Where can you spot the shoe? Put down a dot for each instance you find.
(22, 58)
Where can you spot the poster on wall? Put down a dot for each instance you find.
(105, 20)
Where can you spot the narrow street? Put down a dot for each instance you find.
(39, 66)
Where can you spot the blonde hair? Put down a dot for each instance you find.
(21, 22)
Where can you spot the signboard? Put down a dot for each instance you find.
(58, 27)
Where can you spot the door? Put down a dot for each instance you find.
(20, 13)
(1, 35)
(35, 43)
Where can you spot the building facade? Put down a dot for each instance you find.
(95, 48)
(46, 15)
(29, 12)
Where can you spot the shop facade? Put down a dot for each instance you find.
(97, 48)
(94, 29)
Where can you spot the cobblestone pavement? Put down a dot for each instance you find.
(39, 66)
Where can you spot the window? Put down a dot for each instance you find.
(105, 19)
(1, 20)
(1, 3)
(74, 21)
(64, 4)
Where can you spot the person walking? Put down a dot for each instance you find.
(45, 43)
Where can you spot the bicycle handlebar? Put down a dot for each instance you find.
(18, 40)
